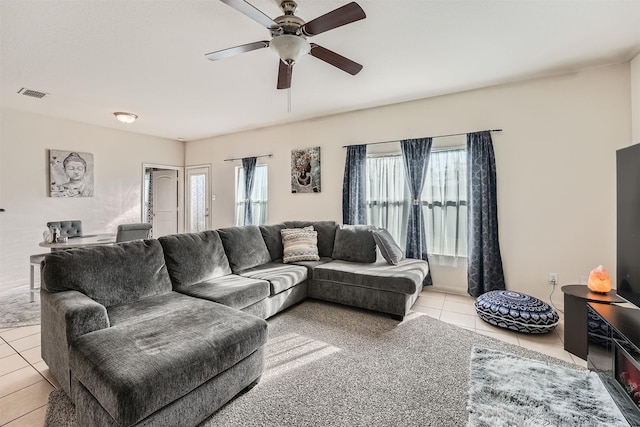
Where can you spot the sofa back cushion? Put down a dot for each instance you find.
(326, 234)
(355, 243)
(244, 247)
(194, 257)
(273, 239)
(110, 275)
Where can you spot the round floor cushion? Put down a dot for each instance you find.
(516, 311)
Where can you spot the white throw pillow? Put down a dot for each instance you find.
(300, 244)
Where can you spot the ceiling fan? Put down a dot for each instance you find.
(289, 37)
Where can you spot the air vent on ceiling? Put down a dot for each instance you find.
(32, 93)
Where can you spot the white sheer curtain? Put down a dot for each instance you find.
(445, 206)
(444, 202)
(259, 195)
(388, 196)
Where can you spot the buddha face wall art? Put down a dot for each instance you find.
(70, 174)
(305, 170)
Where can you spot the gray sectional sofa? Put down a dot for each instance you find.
(166, 331)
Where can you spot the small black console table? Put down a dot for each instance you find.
(614, 354)
(576, 298)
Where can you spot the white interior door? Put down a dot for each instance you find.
(165, 202)
(198, 198)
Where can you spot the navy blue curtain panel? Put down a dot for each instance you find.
(249, 165)
(415, 153)
(354, 192)
(484, 271)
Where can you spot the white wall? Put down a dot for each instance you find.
(555, 162)
(635, 99)
(118, 156)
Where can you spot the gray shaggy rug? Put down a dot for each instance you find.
(535, 394)
(16, 308)
(331, 365)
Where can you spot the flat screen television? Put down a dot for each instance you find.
(628, 223)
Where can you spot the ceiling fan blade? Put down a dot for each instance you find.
(233, 51)
(284, 75)
(339, 61)
(253, 13)
(341, 16)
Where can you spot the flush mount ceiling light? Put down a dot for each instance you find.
(125, 117)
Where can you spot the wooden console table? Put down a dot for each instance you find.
(576, 298)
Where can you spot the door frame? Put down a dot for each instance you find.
(180, 207)
(187, 193)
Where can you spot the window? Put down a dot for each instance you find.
(444, 201)
(258, 196)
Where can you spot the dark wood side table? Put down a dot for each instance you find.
(576, 298)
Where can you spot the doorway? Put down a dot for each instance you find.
(162, 199)
(198, 196)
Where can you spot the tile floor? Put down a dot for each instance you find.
(25, 380)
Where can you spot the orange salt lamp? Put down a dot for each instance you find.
(599, 280)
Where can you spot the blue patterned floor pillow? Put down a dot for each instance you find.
(516, 311)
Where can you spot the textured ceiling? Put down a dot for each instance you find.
(94, 57)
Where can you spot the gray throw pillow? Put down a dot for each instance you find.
(354, 243)
(388, 247)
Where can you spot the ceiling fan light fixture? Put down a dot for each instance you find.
(125, 117)
(290, 48)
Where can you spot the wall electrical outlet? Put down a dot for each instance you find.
(553, 278)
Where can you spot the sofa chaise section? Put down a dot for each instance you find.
(378, 286)
(165, 370)
(137, 352)
(357, 278)
(348, 270)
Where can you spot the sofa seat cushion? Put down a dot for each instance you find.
(280, 276)
(147, 308)
(231, 290)
(406, 277)
(311, 265)
(135, 369)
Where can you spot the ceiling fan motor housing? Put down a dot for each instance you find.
(288, 42)
(289, 7)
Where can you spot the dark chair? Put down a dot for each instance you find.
(72, 228)
(136, 231)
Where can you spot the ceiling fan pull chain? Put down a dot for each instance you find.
(289, 99)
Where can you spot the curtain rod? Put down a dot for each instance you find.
(240, 158)
(437, 136)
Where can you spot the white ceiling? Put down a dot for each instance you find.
(94, 57)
